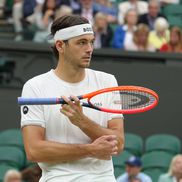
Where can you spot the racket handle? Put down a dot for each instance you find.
(42, 101)
(39, 101)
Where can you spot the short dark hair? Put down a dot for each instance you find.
(64, 22)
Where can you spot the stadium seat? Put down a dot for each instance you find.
(175, 20)
(118, 1)
(119, 162)
(156, 159)
(173, 9)
(3, 170)
(163, 142)
(11, 137)
(12, 156)
(120, 159)
(118, 170)
(133, 144)
(154, 173)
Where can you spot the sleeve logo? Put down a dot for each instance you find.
(25, 110)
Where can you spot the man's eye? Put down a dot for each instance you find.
(82, 43)
(92, 42)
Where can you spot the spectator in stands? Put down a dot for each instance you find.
(175, 170)
(43, 36)
(6, 7)
(108, 9)
(102, 30)
(133, 170)
(141, 7)
(47, 14)
(74, 4)
(153, 13)
(12, 175)
(63, 10)
(2, 8)
(123, 34)
(140, 40)
(175, 42)
(17, 15)
(87, 10)
(31, 174)
(44, 18)
(28, 7)
(29, 17)
(160, 34)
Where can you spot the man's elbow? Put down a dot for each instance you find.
(34, 152)
(31, 154)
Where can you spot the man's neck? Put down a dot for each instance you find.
(69, 74)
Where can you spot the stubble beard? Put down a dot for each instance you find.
(87, 65)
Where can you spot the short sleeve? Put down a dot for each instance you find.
(31, 114)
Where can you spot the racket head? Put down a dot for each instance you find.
(123, 99)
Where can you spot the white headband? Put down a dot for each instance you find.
(73, 31)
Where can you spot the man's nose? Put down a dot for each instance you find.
(89, 47)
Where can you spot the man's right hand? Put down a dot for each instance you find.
(104, 147)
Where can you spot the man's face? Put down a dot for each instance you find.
(101, 23)
(177, 167)
(132, 170)
(174, 38)
(78, 51)
(87, 4)
(131, 17)
(153, 9)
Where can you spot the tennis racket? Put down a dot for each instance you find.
(122, 99)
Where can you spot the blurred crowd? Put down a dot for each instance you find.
(133, 171)
(132, 25)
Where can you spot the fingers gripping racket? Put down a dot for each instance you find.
(122, 99)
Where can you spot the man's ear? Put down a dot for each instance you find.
(59, 45)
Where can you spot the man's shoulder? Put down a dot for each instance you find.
(38, 79)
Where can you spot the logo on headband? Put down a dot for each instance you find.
(88, 29)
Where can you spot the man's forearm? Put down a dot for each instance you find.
(94, 130)
(39, 149)
(53, 152)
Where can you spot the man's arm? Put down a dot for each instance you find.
(73, 111)
(40, 150)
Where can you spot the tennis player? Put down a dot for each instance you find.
(71, 143)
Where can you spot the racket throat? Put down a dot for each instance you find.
(90, 106)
